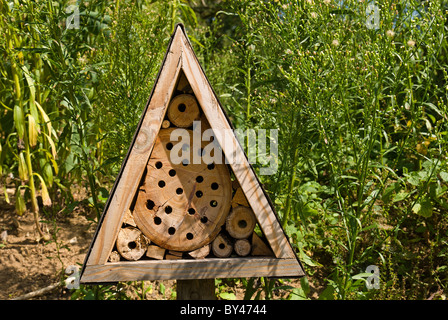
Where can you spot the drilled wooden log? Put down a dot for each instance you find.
(240, 222)
(200, 253)
(242, 247)
(183, 110)
(131, 243)
(182, 206)
(222, 246)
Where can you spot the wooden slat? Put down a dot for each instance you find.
(140, 151)
(192, 269)
(240, 166)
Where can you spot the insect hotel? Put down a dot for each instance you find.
(174, 211)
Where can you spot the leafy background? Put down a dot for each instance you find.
(362, 112)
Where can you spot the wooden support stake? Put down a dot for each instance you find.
(197, 289)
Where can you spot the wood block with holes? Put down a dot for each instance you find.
(181, 205)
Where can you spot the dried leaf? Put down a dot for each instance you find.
(23, 169)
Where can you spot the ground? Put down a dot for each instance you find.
(27, 265)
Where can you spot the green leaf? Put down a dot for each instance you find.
(20, 203)
(387, 194)
(400, 196)
(307, 259)
(227, 296)
(30, 82)
(444, 176)
(19, 121)
(423, 207)
(23, 169)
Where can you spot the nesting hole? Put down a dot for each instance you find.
(185, 162)
(161, 183)
(211, 166)
(215, 186)
(199, 179)
(168, 209)
(179, 190)
(189, 236)
(159, 165)
(182, 107)
(157, 220)
(169, 146)
(204, 219)
(191, 211)
(221, 246)
(171, 230)
(213, 203)
(199, 193)
(150, 204)
(172, 172)
(242, 224)
(132, 245)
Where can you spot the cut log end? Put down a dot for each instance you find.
(131, 243)
(242, 247)
(183, 110)
(222, 247)
(240, 222)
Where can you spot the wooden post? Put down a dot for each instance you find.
(197, 289)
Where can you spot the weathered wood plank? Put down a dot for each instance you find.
(192, 269)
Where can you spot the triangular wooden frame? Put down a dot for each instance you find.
(96, 269)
